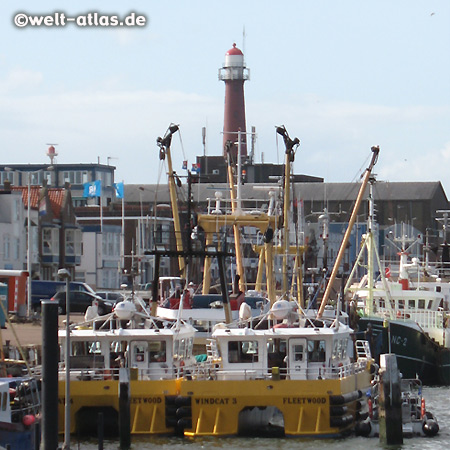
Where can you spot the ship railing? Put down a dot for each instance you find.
(424, 318)
(224, 206)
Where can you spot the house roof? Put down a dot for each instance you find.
(307, 191)
(55, 195)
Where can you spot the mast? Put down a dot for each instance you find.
(164, 145)
(340, 255)
(291, 145)
(236, 208)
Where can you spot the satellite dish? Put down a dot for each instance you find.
(281, 309)
(125, 310)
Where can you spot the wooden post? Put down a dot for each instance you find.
(49, 375)
(124, 409)
(390, 402)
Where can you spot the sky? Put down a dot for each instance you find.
(341, 76)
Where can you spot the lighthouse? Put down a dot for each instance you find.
(234, 73)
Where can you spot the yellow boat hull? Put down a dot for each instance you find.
(320, 408)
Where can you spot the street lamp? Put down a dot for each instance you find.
(65, 275)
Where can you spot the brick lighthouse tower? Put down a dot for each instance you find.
(234, 73)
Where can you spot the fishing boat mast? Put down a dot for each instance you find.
(164, 153)
(340, 255)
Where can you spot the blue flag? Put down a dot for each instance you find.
(119, 189)
(93, 189)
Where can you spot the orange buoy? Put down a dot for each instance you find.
(28, 420)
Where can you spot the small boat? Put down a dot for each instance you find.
(416, 419)
(20, 413)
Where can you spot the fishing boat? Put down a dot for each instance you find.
(409, 321)
(416, 419)
(154, 354)
(296, 378)
(20, 413)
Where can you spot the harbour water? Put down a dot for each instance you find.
(437, 401)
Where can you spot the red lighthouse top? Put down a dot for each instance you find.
(234, 51)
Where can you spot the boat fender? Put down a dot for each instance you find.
(361, 415)
(363, 428)
(422, 409)
(430, 427)
(341, 421)
(338, 410)
(345, 398)
(370, 404)
(28, 420)
(183, 412)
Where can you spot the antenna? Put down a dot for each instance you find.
(243, 40)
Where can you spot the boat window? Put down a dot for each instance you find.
(86, 348)
(339, 349)
(4, 400)
(139, 352)
(421, 303)
(411, 304)
(401, 304)
(316, 351)
(430, 304)
(176, 345)
(276, 352)
(182, 348)
(242, 351)
(298, 352)
(157, 351)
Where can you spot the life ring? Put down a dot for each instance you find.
(422, 408)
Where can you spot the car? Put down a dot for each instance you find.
(79, 302)
(111, 296)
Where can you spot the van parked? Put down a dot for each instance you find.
(45, 290)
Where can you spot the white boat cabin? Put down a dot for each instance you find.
(156, 353)
(306, 353)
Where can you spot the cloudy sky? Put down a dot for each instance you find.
(341, 76)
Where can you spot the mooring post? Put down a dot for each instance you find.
(100, 430)
(124, 409)
(49, 375)
(390, 403)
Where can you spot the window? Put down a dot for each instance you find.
(70, 242)
(316, 351)
(50, 242)
(242, 351)
(421, 303)
(411, 304)
(6, 246)
(157, 351)
(298, 352)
